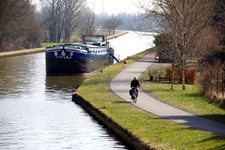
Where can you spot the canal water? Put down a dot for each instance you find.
(131, 44)
(36, 111)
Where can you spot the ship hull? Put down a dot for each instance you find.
(71, 61)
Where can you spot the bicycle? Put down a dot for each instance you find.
(134, 94)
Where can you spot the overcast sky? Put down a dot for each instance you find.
(113, 6)
(109, 6)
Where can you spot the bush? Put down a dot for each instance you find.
(212, 80)
(156, 70)
(190, 75)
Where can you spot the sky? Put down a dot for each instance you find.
(109, 6)
(113, 6)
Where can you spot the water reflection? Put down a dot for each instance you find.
(63, 83)
(21, 75)
(36, 112)
(132, 43)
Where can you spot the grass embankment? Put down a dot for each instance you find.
(157, 132)
(190, 99)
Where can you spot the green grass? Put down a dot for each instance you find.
(157, 132)
(49, 44)
(189, 99)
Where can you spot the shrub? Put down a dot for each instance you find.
(190, 75)
(212, 81)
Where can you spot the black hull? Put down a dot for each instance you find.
(76, 66)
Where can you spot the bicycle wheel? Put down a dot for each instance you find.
(135, 96)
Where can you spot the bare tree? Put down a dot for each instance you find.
(181, 21)
(62, 17)
(165, 53)
(112, 22)
(53, 13)
(17, 22)
(89, 23)
(73, 15)
(219, 21)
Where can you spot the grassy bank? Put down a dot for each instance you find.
(190, 100)
(155, 131)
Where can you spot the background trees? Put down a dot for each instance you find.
(218, 25)
(19, 27)
(22, 27)
(219, 21)
(181, 21)
(212, 65)
(90, 23)
(61, 18)
(112, 22)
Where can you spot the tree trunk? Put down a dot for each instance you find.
(173, 76)
(1, 43)
(183, 78)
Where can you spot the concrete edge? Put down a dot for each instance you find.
(21, 52)
(122, 133)
(116, 35)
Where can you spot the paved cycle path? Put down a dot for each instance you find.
(120, 85)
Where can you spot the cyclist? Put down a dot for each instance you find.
(134, 84)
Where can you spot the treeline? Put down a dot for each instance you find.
(62, 17)
(23, 27)
(191, 34)
(19, 27)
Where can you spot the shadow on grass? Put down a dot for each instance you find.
(192, 95)
(216, 139)
(195, 96)
(217, 117)
(159, 90)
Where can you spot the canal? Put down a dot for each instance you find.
(36, 111)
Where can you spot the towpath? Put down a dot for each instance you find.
(120, 85)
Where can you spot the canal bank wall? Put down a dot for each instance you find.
(116, 35)
(122, 133)
(21, 52)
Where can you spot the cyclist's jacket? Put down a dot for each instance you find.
(135, 83)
